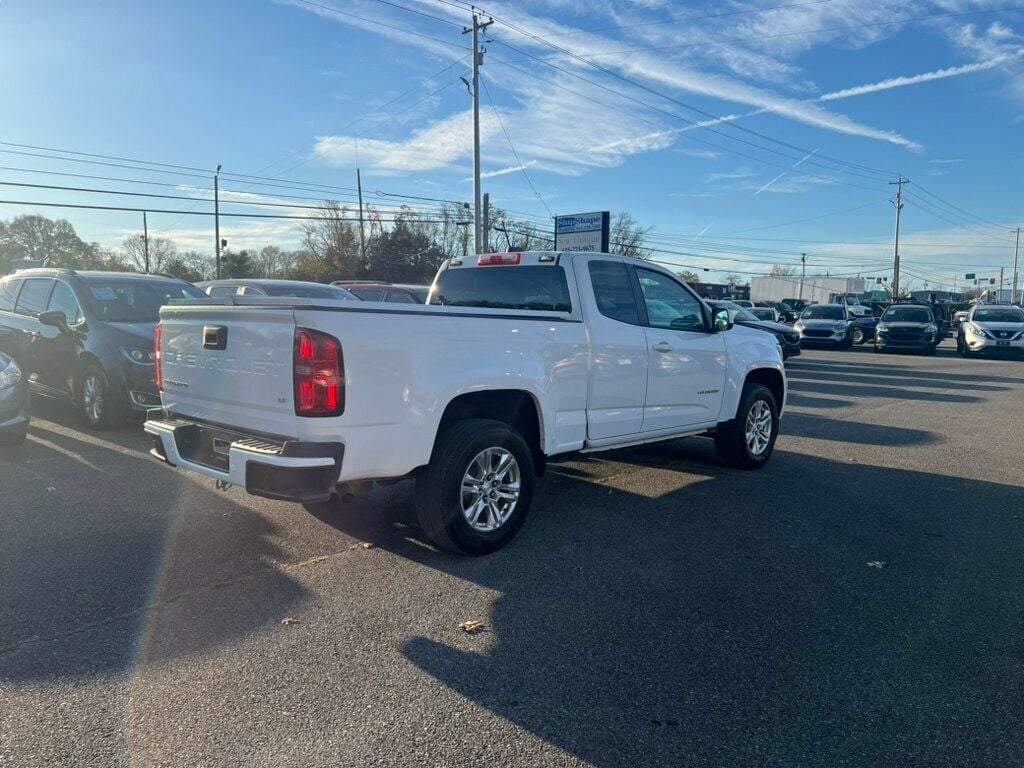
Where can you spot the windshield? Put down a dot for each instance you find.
(135, 300)
(999, 315)
(306, 291)
(736, 312)
(823, 312)
(908, 315)
(518, 287)
(762, 313)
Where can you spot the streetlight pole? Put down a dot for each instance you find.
(145, 240)
(898, 203)
(803, 273)
(1016, 253)
(216, 219)
(478, 59)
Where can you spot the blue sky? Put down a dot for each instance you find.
(745, 133)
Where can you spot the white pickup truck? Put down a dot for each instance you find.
(517, 357)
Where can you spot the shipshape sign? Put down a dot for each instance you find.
(582, 232)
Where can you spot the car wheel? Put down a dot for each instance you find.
(959, 345)
(747, 441)
(930, 351)
(858, 336)
(477, 490)
(96, 401)
(14, 436)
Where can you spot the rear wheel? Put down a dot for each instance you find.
(477, 490)
(858, 336)
(747, 441)
(14, 436)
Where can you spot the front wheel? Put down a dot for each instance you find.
(14, 437)
(858, 336)
(96, 401)
(747, 441)
(478, 488)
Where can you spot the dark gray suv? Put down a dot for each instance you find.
(87, 336)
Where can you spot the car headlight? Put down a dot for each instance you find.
(840, 327)
(9, 375)
(977, 330)
(881, 328)
(798, 326)
(138, 355)
(931, 328)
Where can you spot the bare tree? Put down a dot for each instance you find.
(272, 261)
(628, 237)
(782, 270)
(688, 277)
(733, 280)
(161, 250)
(331, 236)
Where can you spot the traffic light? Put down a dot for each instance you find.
(991, 281)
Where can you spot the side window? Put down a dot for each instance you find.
(8, 293)
(669, 305)
(613, 291)
(63, 299)
(217, 291)
(248, 290)
(394, 297)
(33, 296)
(368, 294)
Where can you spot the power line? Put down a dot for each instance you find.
(649, 89)
(515, 154)
(31, 203)
(379, 23)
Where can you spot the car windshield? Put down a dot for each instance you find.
(135, 300)
(823, 312)
(999, 315)
(761, 313)
(908, 315)
(306, 291)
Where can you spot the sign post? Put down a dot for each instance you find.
(583, 232)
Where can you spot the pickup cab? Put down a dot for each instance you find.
(516, 358)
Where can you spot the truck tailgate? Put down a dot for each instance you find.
(230, 365)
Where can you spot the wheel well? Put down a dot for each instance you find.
(770, 378)
(511, 406)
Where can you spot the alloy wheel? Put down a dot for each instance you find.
(490, 489)
(758, 430)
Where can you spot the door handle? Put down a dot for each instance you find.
(33, 334)
(662, 346)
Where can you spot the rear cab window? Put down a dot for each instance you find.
(522, 286)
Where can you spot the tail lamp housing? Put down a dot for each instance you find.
(318, 374)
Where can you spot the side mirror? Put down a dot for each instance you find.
(721, 320)
(54, 318)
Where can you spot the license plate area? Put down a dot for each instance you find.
(1002, 343)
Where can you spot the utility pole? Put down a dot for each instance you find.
(803, 274)
(999, 293)
(216, 219)
(487, 221)
(898, 202)
(145, 240)
(478, 59)
(1016, 277)
(362, 229)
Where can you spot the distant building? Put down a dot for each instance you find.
(941, 297)
(820, 288)
(721, 291)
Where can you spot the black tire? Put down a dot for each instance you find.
(959, 345)
(731, 439)
(878, 350)
(440, 500)
(98, 404)
(930, 351)
(14, 437)
(859, 337)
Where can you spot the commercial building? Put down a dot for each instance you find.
(820, 288)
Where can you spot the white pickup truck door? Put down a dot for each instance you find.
(686, 364)
(618, 350)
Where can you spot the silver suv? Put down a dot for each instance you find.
(991, 328)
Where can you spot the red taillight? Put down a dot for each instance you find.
(319, 379)
(158, 368)
(498, 259)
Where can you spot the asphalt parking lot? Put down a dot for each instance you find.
(857, 602)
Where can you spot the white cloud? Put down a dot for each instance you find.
(950, 161)
(704, 154)
(504, 171)
(739, 173)
(437, 146)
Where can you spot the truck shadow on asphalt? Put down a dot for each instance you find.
(659, 609)
(122, 563)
